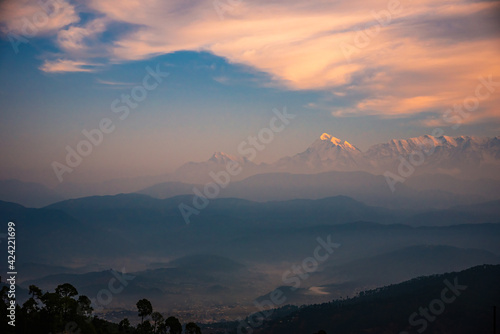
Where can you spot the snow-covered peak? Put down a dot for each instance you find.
(328, 137)
(443, 147)
(325, 137)
(325, 153)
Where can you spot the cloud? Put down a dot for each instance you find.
(383, 58)
(419, 57)
(33, 18)
(77, 40)
(65, 65)
(115, 84)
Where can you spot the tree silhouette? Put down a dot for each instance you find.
(57, 312)
(192, 328)
(145, 328)
(158, 321)
(174, 326)
(35, 291)
(67, 304)
(124, 326)
(144, 308)
(84, 306)
(66, 290)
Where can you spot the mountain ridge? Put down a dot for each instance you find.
(461, 156)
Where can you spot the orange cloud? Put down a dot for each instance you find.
(392, 58)
(64, 65)
(30, 18)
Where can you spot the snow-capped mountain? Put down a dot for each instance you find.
(325, 153)
(480, 148)
(465, 156)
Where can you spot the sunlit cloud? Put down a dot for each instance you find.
(77, 40)
(33, 18)
(64, 65)
(381, 59)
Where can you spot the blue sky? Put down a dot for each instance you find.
(227, 73)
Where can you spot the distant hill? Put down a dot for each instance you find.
(198, 172)
(406, 263)
(44, 235)
(108, 187)
(210, 280)
(236, 250)
(362, 186)
(489, 188)
(206, 262)
(388, 309)
(29, 194)
(463, 214)
(32, 270)
(253, 229)
(112, 209)
(334, 280)
(169, 189)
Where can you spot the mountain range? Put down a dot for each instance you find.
(238, 249)
(465, 156)
(457, 167)
(444, 216)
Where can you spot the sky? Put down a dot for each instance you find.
(364, 71)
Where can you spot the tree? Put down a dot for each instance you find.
(35, 291)
(124, 326)
(174, 326)
(62, 311)
(66, 290)
(52, 302)
(158, 321)
(67, 303)
(192, 328)
(31, 305)
(145, 328)
(84, 306)
(144, 308)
